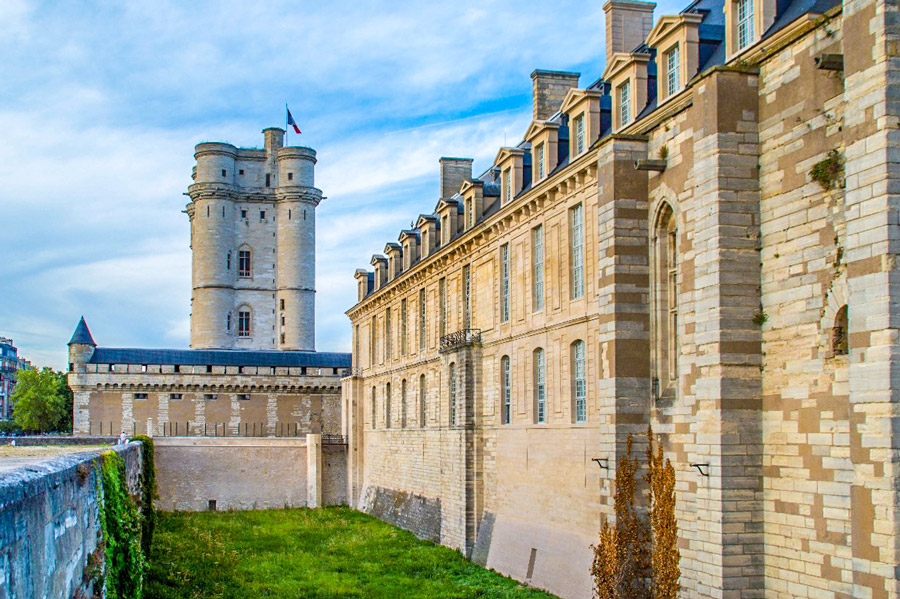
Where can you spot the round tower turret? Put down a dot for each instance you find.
(212, 241)
(296, 248)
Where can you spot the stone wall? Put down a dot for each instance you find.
(201, 474)
(49, 524)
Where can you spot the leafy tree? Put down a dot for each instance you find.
(664, 556)
(42, 401)
(637, 557)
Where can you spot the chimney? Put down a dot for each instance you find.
(628, 23)
(453, 172)
(550, 88)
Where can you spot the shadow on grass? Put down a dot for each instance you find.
(311, 554)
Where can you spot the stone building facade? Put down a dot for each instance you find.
(703, 240)
(252, 369)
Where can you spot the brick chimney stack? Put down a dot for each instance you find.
(453, 172)
(628, 23)
(550, 88)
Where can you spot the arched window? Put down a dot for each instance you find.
(422, 404)
(540, 387)
(245, 262)
(665, 303)
(387, 405)
(839, 336)
(374, 409)
(579, 382)
(505, 391)
(403, 403)
(244, 322)
(452, 382)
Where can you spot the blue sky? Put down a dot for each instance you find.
(101, 104)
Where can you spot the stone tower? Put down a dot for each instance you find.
(253, 224)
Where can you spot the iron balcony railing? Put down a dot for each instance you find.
(460, 338)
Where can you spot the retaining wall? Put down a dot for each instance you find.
(49, 523)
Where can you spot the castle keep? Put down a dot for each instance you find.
(703, 240)
(252, 369)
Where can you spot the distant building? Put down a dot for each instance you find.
(253, 369)
(10, 363)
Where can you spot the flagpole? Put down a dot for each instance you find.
(285, 124)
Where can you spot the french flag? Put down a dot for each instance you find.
(291, 121)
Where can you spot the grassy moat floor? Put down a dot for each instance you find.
(309, 554)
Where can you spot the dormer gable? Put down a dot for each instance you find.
(511, 162)
(409, 241)
(472, 192)
(427, 224)
(627, 76)
(676, 39)
(362, 283)
(379, 263)
(394, 254)
(583, 108)
(745, 22)
(448, 216)
(544, 139)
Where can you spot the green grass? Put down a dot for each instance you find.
(309, 554)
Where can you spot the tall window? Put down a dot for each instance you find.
(470, 213)
(579, 134)
(507, 186)
(387, 405)
(576, 228)
(673, 72)
(422, 404)
(537, 268)
(374, 409)
(244, 323)
(505, 391)
(403, 403)
(452, 381)
(744, 23)
(442, 308)
(540, 387)
(244, 263)
(388, 350)
(839, 336)
(666, 302)
(579, 382)
(404, 349)
(422, 319)
(467, 296)
(540, 161)
(625, 103)
(356, 355)
(504, 282)
(372, 341)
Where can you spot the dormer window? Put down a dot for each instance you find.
(579, 134)
(540, 161)
(507, 185)
(470, 213)
(744, 23)
(673, 71)
(624, 92)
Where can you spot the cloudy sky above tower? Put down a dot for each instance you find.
(101, 104)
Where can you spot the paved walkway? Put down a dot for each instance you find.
(16, 457)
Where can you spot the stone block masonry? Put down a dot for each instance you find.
(209, 474)
(49, 524)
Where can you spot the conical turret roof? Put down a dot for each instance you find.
(82, 334)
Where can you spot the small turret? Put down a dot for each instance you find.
(81, 347)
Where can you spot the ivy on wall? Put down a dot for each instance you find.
(123, 521)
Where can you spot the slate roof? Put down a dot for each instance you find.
(82, 334)
(220, 357)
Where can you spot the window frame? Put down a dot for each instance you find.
(673, 70)
(624, 96)
(451, 384)
(537, 268)
(505, 284)
(540, 386)
(579, 381)
(576, 251)
(580, 136)
(245, 323)
(505, 390)
(744, 23)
